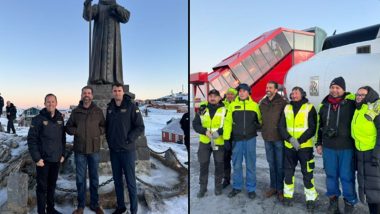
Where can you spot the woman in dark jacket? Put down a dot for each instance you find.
(367, 142)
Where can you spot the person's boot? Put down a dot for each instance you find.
(78, 211)
(218, 191)
(202, 192)
(252, 195)
(271, 192)
(280, 196)
(348, 207)
(233, 193)
(334, 206)
(226, 183)
(310, 206)
(288, 202)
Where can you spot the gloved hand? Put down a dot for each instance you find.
(373, 110)
(215, 135)
(294, 143)
(208, 134)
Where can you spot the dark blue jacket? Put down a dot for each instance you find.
(124, 124)
(12, 110)
(46, 137)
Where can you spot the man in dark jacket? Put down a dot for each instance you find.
(124, 124)
(334, 136)
(297, 127)
(11, 116)
(46, 143)
(367, 142)
(271, 108)
(185, 123)
(86, 123)
(1, 105)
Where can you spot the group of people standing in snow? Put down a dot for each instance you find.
(122, 125)
(11, 112)
(344, 129)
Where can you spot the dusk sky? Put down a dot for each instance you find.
(220, 28)
(44, 49)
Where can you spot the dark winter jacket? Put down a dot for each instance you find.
(197, 123)
(271, 111)
(87, 125)
(46, 137)
(12, 110)
(124, 124)
(343, 139)
(368, 172)
(311, 118)
(185, 123)
(1, 102)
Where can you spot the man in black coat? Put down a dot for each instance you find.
(11, 116)
(124, 124)
(186, 130)
(1, 104)
(46, 143)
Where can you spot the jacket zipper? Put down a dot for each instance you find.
(244, 118)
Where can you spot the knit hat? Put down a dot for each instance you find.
(339, 81)
(215, 92)
(232, 90)
(244, 86)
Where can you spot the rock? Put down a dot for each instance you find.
(153, 201)
(2, 128)
(143, 153)
(14, 145)
(104, 155)
(105, 168)
(5, 153)
(17, 189)
(143, 167)
(170, 157)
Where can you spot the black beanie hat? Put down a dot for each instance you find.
(215, 92)
(339, 81)
(244, 86)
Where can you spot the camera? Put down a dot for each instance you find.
(330, 132)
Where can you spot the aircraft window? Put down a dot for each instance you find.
(290, 38)
(304, 42)
(220, 84)
(258, 57)
(280, 46)
(242, 74)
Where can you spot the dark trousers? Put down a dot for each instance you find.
(204, 153)
(227, 161)
(275, 156)
(81, 163)
(187, 143)
(46, 183)
(374, 208)
(124, 162)
(11, 126)
(291, 160)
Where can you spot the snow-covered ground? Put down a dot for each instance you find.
(155, 121)
(241, 203)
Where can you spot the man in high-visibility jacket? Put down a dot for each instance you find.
(208, 122)
(242, 121)
(297, 127)
(230, 97)
(367, 142)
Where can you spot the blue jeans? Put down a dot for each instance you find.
(339, 164)
(275, 156)
(81, 162)
(124, 162)
(246, 148)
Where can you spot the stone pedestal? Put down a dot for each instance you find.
(102, 96)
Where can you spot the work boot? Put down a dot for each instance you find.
(226, 183)
(97, 210)
(348, 207)
(52, 211)
(288, 202)
(280, 196)
(120, 210)
(310, 206)
(233, 193)
(218, 191)
(252, 195)
(201, 193)
(334, 206)
(271, 192)
(78, 211)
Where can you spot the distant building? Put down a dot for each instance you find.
(27, 115)
(172, 132)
